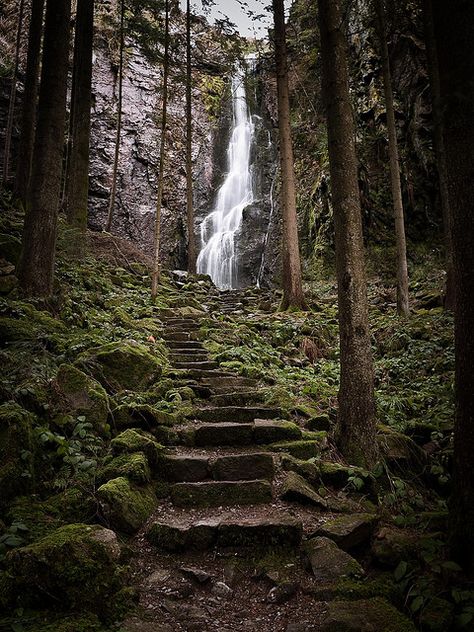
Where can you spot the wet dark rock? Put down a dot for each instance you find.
(222, 590)
(328, 562)
(295, 488)
(282, 593)
(196, 574)
(349, 531)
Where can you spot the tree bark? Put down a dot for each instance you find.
(291, 264)
(432, 56)
(403, 306)
(11, 107)
(356, 417)
(36, 265)
(77, 182)
(30, 94)
(454, 29)
(118, 133)
(189, 141)
(155, 279)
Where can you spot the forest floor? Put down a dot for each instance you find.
(173, 466)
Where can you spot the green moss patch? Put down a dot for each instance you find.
(124, 506)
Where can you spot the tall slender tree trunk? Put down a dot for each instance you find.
(454, 28)
(118, 132)
(291, 264)
(77, 182)
(30, 94)
(356, 418)
(403, 306)
(189, 141)
(36, 265)
(11, 106)
(155, 278)
(432, 55)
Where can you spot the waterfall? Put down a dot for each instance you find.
(217, 257)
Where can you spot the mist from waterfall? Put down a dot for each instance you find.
(217, 257)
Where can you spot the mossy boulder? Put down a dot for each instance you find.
(303, 449)
(295, 488)
(125, 506)
(10, 248)
(361, 588)
(330, 563)
(144, 416)
(81, 395)
(349, 531)
(125, 365)
(17, 448)
(365, 615)
(392, 545)
(72, 567)
(132, 466)
(132, 440)
(401, 452)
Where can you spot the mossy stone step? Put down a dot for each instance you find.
(242, 414)
(219, 493)
(184, 343)
(178, 469)
(237, 467)
(268, 431)
(220, 434)
(187, 356)
(176, 336)
(206, 364)
(226, 383)
(262, 532)
(203, 373)
(238, 398)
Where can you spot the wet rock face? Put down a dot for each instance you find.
(134, 213)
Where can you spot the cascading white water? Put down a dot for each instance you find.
(218, 230)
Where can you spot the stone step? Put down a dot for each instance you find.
(229, 467)
(204, 365)
(204, 373)
(185, 322)
(236, 413)
(241, 433)
(224, 384)
(215, 532)
(176, 336)
(220, 493)
(238, 398)
(189, 357)
(184, 344)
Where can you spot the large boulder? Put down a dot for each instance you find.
(125, 506)
(132, 440)
(330, 563)
(365, 615)
(75, 566)
(81, 395)
(125, 365)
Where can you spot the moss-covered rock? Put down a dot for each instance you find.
(10, 248)
(437, 615)
(132, 466)
(82, 395)
(400, 451)
(124, 506)
(367, 615)
(295, 488)
(304, 449)
(330, 563)
(125, 365)
(73, 567)
(144, 416)
(392, 545)
(132, 440)
(17, 447)
(349, 531)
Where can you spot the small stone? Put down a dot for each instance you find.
(196, 574)
(222, 590)
(157, 578)
(282, 593)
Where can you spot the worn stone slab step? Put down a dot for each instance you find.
(224, 384)
(177, 336)
(238, 398)
(220, 493)
(185, 358)
(233, 467)
(259, 532)
(184, 344)
(240, 433)
(201, 365)
(236, 413)
(204, 373)
(181, 322)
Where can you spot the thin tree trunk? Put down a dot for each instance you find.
(356, 418)
(28, 117)
(155, 279)
(403, 306)
(77, 183)
(36, 267)
(189, 141)
(432, 56)
(454, 28)
(291, 264)
(11, 107)
(118, 133)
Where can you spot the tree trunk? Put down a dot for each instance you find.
(454, 28)
(438, 142)
(356, 418)
(403, 306)
(36, 265)
(291, 265)
(11, 107)
(77, 183)
(118, 133)
(28, 117)
(155, 279)
(189, 141)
